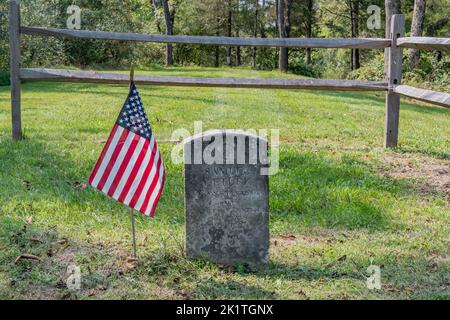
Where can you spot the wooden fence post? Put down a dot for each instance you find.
(14, 52)
(394, 78)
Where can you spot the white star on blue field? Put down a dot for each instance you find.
(133, 116)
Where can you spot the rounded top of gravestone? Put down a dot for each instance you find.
(225, 132)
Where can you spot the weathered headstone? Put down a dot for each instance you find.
(227, 198)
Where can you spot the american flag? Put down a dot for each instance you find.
(130, 169)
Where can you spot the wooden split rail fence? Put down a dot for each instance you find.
(392, 85)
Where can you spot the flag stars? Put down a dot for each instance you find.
(133, 116)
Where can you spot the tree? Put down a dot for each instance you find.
(229, 30)
(284, 27)
(309, 27)
(218, 27)
(169, 18)
(416, 31)
(354, 17)
(154, 5)
(255, 31)
(238, 34)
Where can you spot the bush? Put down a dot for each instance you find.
(432, 73)
(298, 66)
(4, 78)
(371, 70)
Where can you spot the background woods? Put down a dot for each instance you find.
(234, 18)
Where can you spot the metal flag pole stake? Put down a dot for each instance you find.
(134, 233)
(131, 75)
(132, 210)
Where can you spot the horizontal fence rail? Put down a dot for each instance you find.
(434, 97)
(425, 43)
(357, 43)
(392, 85)
(102, 77)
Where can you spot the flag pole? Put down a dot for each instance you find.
(134, 233)
(131, 75)
(132, 210)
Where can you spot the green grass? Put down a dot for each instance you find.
(334, 210)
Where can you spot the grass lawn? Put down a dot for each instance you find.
(339, 203)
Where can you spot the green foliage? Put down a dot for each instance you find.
(371, 70)
(4, 78)
(299, 66)
(433, 72)
(4, 55)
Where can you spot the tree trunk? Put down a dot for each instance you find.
(262, 18)
(277, 14)
(255, 33)
(229, 30)
(391, 7)
(155, 8)
(169, 19)
(217, 48)
(309, 22)
(284, 12)
(238, 51)
(416, 31)
(354, 14)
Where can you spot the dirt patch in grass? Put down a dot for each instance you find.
(315, 236)
(45, 276)
(432, 175)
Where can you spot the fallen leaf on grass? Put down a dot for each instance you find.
(79, 185)
(303, 294)
(288, 236)
(130, 264)
(61, 284)
(27, 256)
(33, 239)
(185, 295)
(63, 243)
(26, 184)
(391, 288)
(92, 293)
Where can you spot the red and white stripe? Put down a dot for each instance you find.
(130, 170)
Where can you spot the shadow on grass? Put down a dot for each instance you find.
(309, 190)
(36, 178)
(312, 190)
(380, 100)
(91, 89)
(308, 272)
(230, 289)
(377, 98)
(436, 154)
(31, 171)
(47, 278)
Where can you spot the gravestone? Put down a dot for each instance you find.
(227, 198)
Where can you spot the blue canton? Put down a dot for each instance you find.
(133, 117)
